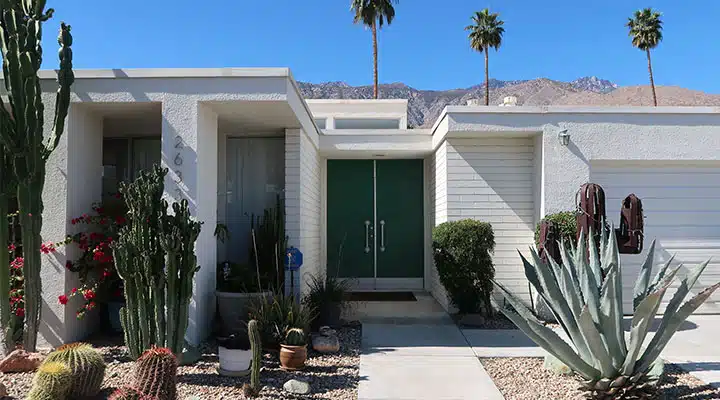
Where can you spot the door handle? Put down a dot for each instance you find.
(382, 235)
(367, 236)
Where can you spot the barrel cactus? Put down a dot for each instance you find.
(130, 393)
(51, 382)
(155, 373)
(585, 294)
(295, 337)
(87, 366)
(253, 389)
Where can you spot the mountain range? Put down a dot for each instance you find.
(424, 106)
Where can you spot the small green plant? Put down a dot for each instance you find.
(462, 251)
(295, 337)
(253, 388)
(51, 382)
(565, 221)
(87, 367)
(324, 295)
(156, 373)
(585, 293)
(277, 314)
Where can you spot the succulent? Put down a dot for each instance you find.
(253, 389)
(295, 337)
(85, 363)
(155, 373)
(585, 294)
(51, 382)
(130, 393)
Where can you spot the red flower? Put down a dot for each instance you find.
(17, 263)
(89, 294)
(73, 221)
(98, 255)
(20, 312)
(47, 248)
(120, 220)
(11, 247)
(63, 299)
(106, 273)
(74, 290)
(99, 210)
(90, 305)
(68, 264)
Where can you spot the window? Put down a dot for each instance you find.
(367, 123)
(321, 122)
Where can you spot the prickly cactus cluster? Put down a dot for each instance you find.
(155, 257)
(295, 337)
(51, 382)
(87, 367)
(22, 135)
(155, 373)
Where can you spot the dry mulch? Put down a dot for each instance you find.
(527, 379)
(331, 376)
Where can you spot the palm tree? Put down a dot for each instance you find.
(485, 32)
(646, 33)
(374, 14)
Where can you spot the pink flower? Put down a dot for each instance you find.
(98, 255)
(90, 305)
(11, 247)
(74, 290)
(17, 263)
(89, 294)
(47, 248)
(63, 299)
(106, 273)
(20, 312)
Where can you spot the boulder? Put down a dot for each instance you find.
(327, 331)
(296, 386)
(325, 344)
(3, 390)
(20, 361)
(552, 364)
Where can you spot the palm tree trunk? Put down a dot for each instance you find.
(375, 60)
(652, 81)
(487, 79)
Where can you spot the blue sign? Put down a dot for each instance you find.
(293, 259)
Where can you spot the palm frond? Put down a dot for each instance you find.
(486, 30)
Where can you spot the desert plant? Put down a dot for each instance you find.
(325, 294)
(462, 253)
(253, 388)
(374, 14)
(130, 393)
(7, 190)
(295, 337)
(268, 242)
(155, 373)
(22, 136)
(565, 221)
(51, 382)
(585, 295)
(645, 29)
(486, 32)
(87, 367)
(277, 314)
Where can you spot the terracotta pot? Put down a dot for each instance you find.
(293, 357)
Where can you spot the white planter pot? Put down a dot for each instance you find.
(232, 360)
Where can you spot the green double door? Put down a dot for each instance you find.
(375, 225)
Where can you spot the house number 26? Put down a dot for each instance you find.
(177, 164)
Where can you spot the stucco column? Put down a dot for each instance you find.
(189, 151)
(564, 170)
(292, 199)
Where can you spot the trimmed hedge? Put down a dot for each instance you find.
(566, 221)
(462, 251)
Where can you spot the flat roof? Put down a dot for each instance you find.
(138, 73)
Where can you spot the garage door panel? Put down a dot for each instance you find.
(682, 212)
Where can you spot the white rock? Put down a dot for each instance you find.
(297, 386)
(326, 344)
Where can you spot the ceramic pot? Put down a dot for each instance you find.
(293, 357)
(234, 309)
(234, 361)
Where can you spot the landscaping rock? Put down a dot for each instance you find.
(20, 361)
(3, 390)
(327, 331)
(297, 386)
(552, 364)
(326, 343)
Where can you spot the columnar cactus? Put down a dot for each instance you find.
(155, 373)
(87, 366)
(179, 233)
(130, 393)
(256, 347)
(21, 130)
(52, 382)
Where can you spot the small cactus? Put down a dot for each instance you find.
(155, 373)
(130, 393)
(295, 337)
(253, 389)
(52, 382)
(87, 366)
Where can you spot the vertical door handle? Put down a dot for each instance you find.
(382, 235)
(367, 236)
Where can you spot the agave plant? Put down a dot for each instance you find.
(585, 295)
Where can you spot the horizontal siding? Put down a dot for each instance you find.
(682, 212)
(491, 180)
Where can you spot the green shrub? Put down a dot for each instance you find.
(462, 251)
(277, 314)
(566, 221)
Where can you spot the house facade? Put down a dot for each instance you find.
(361, 192)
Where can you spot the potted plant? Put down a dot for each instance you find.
(293, 350)
(277, 314)
(326, 296)
(234, 354)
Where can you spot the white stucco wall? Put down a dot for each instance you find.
(438, 213)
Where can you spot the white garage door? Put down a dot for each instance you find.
(681, 204)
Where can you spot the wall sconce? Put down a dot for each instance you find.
(564, 137)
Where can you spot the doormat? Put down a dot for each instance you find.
(380, 296)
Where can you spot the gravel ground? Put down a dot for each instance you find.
(333, 376)
(527, 379)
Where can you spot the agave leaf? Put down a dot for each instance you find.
(643, 279)
(609, 252)
(611, 316)
(569, 289)
(660, 274)
(668, 328)
(642, 318)
(568, 262)
(599, 351)
(581, 249)
(588, 286)
(595, 266)
(544, 336)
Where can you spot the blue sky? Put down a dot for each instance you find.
(426, 47)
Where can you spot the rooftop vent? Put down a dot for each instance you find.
(473, 102)
(509, 101)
